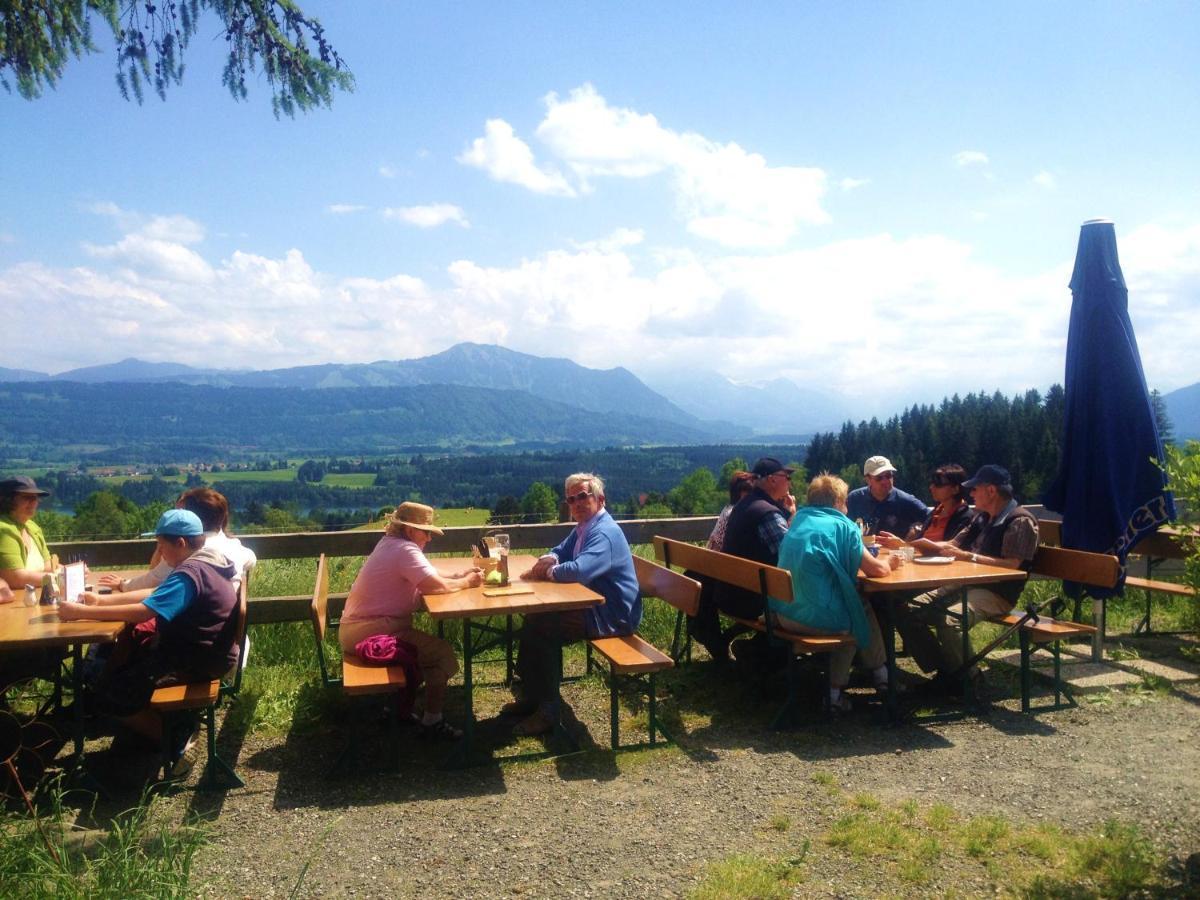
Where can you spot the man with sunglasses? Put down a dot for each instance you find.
(880, 505)
(597, 555)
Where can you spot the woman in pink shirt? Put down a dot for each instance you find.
(390, 588)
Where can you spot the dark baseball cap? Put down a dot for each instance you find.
(21, 484)
(769, 465)
(989, 474)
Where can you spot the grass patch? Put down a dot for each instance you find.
(826, 780)
(139, 856)
(751, 876)
(1114, 860)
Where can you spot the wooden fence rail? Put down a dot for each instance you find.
(311, 544)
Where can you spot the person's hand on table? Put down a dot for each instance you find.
(6, 594)
(474, 577)
(69, 612)
(541, 568)
(889, 540)
(89, 598)
(893, 561)
(110, 580)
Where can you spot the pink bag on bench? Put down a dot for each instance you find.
(389, 650)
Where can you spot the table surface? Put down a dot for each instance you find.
(923, 577)
(24, 626)
(547, 596)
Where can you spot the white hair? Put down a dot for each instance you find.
(594, 483)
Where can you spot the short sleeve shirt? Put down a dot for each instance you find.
(387, 583)
(172, 596)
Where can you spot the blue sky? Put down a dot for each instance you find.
(878, 201)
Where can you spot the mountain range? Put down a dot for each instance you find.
(698, 402)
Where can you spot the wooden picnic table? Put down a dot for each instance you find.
(913, 578)
(487, 601)
(39, 627)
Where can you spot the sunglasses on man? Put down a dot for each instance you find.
(576, 498)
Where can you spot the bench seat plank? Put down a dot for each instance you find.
(803, 643)
(360, 679)
(196, 695)
(1165, 587)
(631, 653)
(1044, 632)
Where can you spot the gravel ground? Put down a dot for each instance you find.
(648, 822)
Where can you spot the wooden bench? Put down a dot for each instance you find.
(767, 581)
(1154, 549)
(357, 679)
(173, 700)
(1089, 569)
(635, 658)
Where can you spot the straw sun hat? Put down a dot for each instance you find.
(415, 515)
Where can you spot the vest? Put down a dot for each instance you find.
(742, 539)
(987, 539)
(201, 640)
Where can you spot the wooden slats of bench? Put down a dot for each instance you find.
(360, 679)
(196, 695)
(1045, 631)
(631, 653)
(803, 643)
(1165, 587)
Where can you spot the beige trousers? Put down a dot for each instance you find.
(435, 657)
(872, 656)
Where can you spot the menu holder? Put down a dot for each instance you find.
(74, 581)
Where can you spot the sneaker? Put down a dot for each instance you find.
(842, 704)
(186, 760)
(441, 730)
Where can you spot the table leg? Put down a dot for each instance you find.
(468, 688)
(889, 647)
(968, 685)
(77, 703)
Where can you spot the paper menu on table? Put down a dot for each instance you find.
(74, 581)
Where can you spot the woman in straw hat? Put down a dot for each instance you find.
(390, 588)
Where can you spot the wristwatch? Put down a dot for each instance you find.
(974, 557)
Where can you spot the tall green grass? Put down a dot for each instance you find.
(139, 856)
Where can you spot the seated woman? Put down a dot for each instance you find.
(24, 559)
(195, 611)
(740, 484)
(390, 588)
(24, 556)
(213, 510)
(824, 551)
(950, 513)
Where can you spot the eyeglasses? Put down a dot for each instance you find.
(29, 498)
(576, 498)
(886, 476)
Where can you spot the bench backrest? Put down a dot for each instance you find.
(1093, 569)
(1163, 544)
(679, 591)
(320, 600)
(744, 573)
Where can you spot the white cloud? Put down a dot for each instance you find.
(724, 193)
(386, 171)
(1044, 179)
(428, 216)
(155, 246)
(505, 157)
(343, 209)
(825, 315)
(965, 158)
(850, 184)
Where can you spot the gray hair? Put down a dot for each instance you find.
(594, 483)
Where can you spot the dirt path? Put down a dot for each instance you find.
(647, 824)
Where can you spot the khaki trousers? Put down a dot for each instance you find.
(435, 657)
(872, 656)
(932, 625)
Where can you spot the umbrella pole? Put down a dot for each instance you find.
(1099, 612)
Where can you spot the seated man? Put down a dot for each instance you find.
(596, 555)
(824, 552)
(754, 530)
(196, 613)
(880, 504)
(1003, 533)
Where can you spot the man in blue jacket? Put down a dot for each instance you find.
(596, 555)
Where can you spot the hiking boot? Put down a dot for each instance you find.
(518, 709)
(541, 722)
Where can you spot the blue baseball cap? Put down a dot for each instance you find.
(177, 523)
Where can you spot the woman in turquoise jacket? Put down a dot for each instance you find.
(824, 551)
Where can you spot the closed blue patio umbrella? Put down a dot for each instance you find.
(1108, 489)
